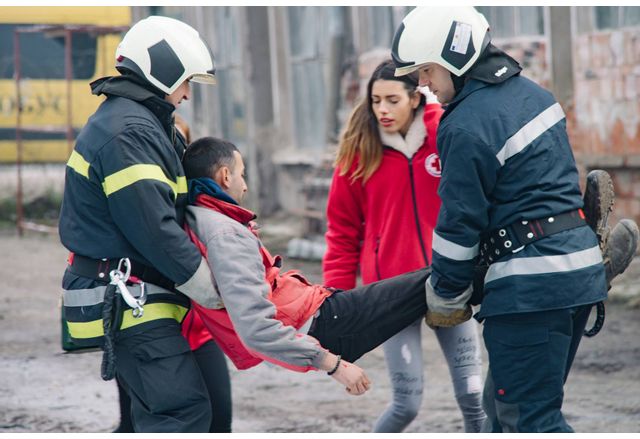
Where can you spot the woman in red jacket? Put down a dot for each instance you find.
(382, 209)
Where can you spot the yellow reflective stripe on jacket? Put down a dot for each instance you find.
(182, 187)
(135, 173)
(78, 164)
(85, 329)
(152, 311)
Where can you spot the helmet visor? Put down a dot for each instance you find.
(203, 78)
(401, 71)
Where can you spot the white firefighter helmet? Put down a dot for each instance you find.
(452, 37)
(165, 52)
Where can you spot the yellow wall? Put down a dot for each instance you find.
(98, 15)
(45, 101)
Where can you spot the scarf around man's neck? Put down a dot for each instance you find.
(205, 192)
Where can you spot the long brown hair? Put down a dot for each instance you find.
(361, 137)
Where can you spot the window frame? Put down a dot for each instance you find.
(229, 74)
(27, 72)
(308, 112)
(587, 21)
(490, 13)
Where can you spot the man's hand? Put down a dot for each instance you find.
(348, 374)
(352, 377)
(445, 313)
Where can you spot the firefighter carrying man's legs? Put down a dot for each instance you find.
(510, 198)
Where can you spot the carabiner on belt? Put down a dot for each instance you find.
(119, 279)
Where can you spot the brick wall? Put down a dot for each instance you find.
(531, 53)
(604, 119)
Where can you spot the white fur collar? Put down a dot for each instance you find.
(412, 141)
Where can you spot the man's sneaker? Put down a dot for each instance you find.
(620, 249)
(598, 203)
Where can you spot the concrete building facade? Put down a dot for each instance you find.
(288, 77)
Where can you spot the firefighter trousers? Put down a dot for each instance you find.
(213, 366)
(530, 356)
(161, 376)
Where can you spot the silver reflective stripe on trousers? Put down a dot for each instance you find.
(452, 250)
(530, 132)
(544, 264)
(95, 296)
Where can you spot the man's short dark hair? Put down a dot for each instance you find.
(206, 155)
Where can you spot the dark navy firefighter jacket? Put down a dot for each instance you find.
(506, 157)
(125, 190)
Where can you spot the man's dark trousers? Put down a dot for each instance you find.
(354, 322)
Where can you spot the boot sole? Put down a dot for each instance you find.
(597, 208)
(632, 232)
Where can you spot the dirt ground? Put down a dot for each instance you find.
(43, 389)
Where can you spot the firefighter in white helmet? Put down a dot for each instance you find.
(122, 215)
(166, 52)
(510, 198)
